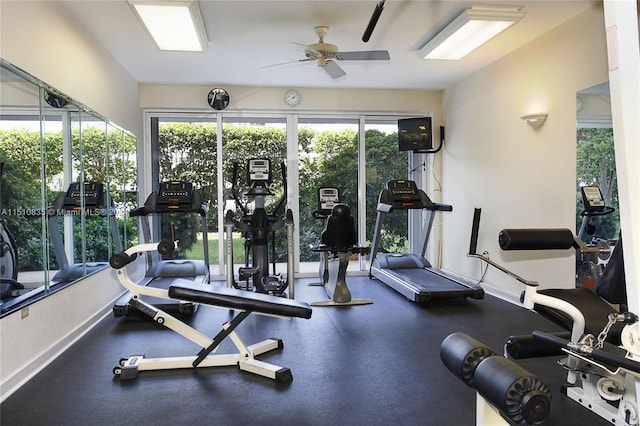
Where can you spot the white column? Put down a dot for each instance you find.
(621, 25)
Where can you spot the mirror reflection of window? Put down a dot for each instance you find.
(47, 142)
(595, 167)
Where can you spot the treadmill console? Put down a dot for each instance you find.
(174, 195)
(404, 194)
(90, 193)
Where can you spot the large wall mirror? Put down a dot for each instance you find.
(68, 180)
(597, 225)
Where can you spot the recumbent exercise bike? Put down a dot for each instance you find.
(338, 241)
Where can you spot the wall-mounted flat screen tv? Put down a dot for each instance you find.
(414, 134)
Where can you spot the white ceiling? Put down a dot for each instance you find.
(245, 36)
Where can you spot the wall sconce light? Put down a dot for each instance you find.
(534, 120)
(173, 25)
(468, 31)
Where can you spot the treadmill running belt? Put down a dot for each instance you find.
(429, 285)
(429, 280)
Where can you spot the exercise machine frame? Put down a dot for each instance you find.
(411, 274)
(504, 390)
(590, 265)
(586, 379)
(237, 300)
(171, 197)
(81, 198)
(258, 229)
(334, 261)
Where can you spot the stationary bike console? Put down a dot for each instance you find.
(327, 198)
(592, 200)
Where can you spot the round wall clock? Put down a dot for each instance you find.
(292, 97)
(218, 98)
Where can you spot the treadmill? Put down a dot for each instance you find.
(411, 274)
(91, 198)
(172, 197)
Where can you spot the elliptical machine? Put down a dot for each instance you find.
(9, 286)
(258, 228)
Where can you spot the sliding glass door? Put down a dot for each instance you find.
(357, 154)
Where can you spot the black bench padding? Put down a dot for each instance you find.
(536, 239)
(595, 310)
(238, 299)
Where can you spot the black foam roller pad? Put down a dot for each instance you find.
(120, 260)
(461, 354)
(527, 346)
(536, 239)
(518, 394)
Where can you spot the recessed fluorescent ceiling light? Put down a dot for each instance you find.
(173, 25)
(471, 29)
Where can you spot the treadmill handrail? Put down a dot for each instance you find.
(386, 205)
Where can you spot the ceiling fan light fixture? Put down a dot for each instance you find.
(173, 25)
(326, 55)
(468, 31)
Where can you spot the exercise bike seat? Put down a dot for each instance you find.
(339, 234)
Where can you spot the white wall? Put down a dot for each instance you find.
(520, 177)
(270, 99)
(44, 39)
(622, 21)
(28, 344)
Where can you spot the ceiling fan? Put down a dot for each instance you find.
(327, 54)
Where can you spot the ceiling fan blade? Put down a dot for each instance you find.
(288, 62)
(365, 55)
(333, 69)
(309, 51)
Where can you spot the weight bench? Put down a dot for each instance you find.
(595, 380)
(221, 297)
(593, 307)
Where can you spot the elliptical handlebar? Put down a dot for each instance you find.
(234, 191)
(283, 200)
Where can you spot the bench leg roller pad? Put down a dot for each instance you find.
(518, 394)
(461, 354)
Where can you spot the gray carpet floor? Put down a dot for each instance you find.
(375, 364)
